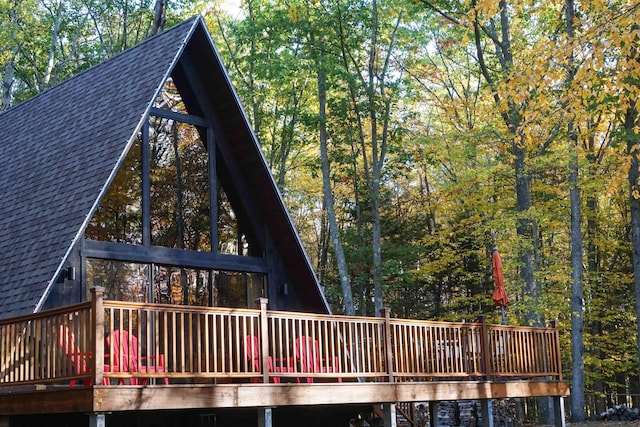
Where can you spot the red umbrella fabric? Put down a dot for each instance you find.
(499, 294)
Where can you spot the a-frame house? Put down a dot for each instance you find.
(65, 148)
(141, 226)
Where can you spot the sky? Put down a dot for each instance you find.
(231, 7)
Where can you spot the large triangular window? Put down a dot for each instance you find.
(156, 235)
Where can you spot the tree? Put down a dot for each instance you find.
(577, 276)
(367, 55)
(326, 178)
(14, 22)
(631, 122)
(159, 16)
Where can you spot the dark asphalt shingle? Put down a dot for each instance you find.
(58, 150)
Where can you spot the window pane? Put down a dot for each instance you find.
(237, 290)
(185, 286)
(170, 98)
(228, 242)
(234, 231)
(119, 215)
(179, 185)
(123, 281)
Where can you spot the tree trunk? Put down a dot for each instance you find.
(9, 68)
(577, 271)
(577, 275)
(594, 278)
(55, 33)
(326, 189)
(376, 246)
(630, 122)
(159, 16)
(376, 159)
(7, 83)
(526, 227)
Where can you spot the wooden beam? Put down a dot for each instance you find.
(178, 117)
(274, 395)
(60, 401)
(170, 256)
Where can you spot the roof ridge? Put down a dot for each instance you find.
(107, 61)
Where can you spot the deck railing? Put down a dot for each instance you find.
(82, 344)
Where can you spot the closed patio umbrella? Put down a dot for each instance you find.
(499, 297)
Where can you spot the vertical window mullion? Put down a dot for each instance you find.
(146, 185)
(213, 190)
(213, 206)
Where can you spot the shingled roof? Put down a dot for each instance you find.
(61, 149)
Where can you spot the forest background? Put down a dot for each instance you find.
(410, 137)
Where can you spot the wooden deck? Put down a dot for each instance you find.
(75, 359)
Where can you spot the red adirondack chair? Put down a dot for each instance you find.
(252, 352)
(77, 357)
(307, 352)
(123, 357)
(121, 353)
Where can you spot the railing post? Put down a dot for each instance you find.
(388, 350)
(485, 348)
(97, 309)
(264, 339)
(556, 350)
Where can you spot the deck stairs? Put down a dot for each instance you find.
(404, 415)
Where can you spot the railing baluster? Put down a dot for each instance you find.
(214, 342)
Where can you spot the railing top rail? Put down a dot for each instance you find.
(272, 313)
(520, 328)
(295, 314)
(434, 322)
(180, 308)
(47, 313)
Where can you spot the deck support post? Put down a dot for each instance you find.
(558, 411)
(389, 411)
(433, 414)
(265, 417)
(97, 419)
(487, 412)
